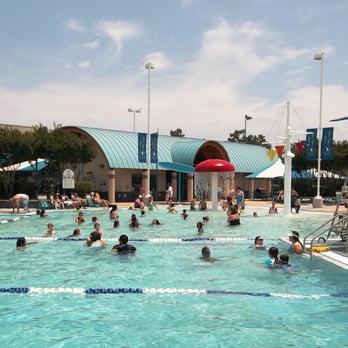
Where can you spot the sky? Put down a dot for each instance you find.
(82, 63)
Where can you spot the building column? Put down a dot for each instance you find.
(232, 182)
(190, 180)
(269, 186)
(111, 185)
(251, 188)
(144, 180)
(175, 185)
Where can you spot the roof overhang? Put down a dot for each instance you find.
(177, 167)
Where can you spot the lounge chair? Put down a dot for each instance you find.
(45, 204)
(92, 203)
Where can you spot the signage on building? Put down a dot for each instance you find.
(68, 179)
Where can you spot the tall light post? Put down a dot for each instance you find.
(318, 200)
(134, 112)
(246, 118)
(149, 66)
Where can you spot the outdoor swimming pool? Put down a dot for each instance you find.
(165, 296)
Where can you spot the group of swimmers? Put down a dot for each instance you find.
(95, 240)
(274, 259)
(282, 260)
(233, 212)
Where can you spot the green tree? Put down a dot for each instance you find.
(67, 151)
(61, 150)
(177, 133)
(238, 136)
(13, 151)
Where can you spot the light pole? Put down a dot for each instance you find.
(149, 66)
(318, 200)
(246, 118)
(134, 111)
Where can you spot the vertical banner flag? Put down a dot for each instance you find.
(311, 144)
(327, 144)
(142, 147)
(154, 141)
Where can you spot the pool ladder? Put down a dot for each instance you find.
(337, 225)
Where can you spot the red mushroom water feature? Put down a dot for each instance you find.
(207, 174)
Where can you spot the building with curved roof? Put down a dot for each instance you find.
(116, 170)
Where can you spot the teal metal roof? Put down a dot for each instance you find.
(177, 167)
(121, 150)
(185, 151)
(246, 158)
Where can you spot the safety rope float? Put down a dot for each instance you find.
(161, 291)
(149, 240)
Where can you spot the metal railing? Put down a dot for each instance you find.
(338, 225)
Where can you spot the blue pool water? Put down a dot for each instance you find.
(169, 297)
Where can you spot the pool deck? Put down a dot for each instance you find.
(339, 259)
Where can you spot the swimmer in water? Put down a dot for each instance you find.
(94, 240)
(123, 247)
(205, 255)
(22, 243)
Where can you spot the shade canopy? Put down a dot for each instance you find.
(27, 166)
(344, 118)
(274, 170)
(214, 165)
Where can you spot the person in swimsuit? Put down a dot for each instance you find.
(296, 246)
(50, 230)
(205, 255)
(233, 216)
(123, 247)
(273, 253)
(258, 244)
(19, 198)
(80, 219)
(273, 209)
(94, 240)
(240, 198)
(22, 243)
(199, 226)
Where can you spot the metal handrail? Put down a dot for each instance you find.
(342, 222)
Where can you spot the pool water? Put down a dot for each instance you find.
(250, 305)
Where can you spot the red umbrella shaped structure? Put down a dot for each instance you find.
(214, 166)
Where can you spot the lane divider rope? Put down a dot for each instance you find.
(101, 291)
(149, 240)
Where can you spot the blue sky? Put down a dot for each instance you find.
(81, 63)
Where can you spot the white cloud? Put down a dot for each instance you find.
(91, 44)
(74, 24)
(84, 64)
(206, 97)
(237, 53)
(119, 32)
(160, 60)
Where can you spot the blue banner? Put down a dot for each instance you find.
(154, 154)
(142, 147)
(327, 144)
(311, 147)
